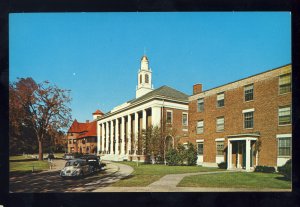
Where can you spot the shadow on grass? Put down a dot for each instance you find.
(283, 178)
(127, 177)
(24, 160)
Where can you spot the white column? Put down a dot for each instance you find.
(238, 155)
(136, 131)
(98, 137)
(107, 136)
(248, 148)
(117, 137)
(102, 140)
(144, 119)
(229, 155)
(156, 116)
(122, 136)
(111, 137)
(129, 134)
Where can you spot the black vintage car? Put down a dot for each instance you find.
(93, 161)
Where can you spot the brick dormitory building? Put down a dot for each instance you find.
(245, 123)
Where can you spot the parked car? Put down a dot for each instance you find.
(68, 156)
(93, 161)
(76, 168)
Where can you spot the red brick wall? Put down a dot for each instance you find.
(266, 102)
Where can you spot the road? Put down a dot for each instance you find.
(50, 181)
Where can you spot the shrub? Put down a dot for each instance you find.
(191, 155)
(222, 165)
(286, 169)
(77, 155)
(173, 157)
(264, 169)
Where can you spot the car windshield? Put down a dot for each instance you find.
(72, 163)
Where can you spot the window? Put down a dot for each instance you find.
(220, 100)
(220, 124)
(169, 117)
(284, 146)
(200, 105)
(146, 78)
(285, 85)
(70, 141)
(220, 148)
(200, 148)
(200, 127)
(248, 120)
(284, 115)
(248, 91)
(184, 119)
(74, 140)
(141, 79)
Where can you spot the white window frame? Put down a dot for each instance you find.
(284, 136)
(218, 142)
(220, 97)
(248, 111)
(202, 101)
(246, 89)
(281, 84)
(169, 111)
(201, 127)
(282, 107)
(223, 124)
(187, 119)
(202, 148)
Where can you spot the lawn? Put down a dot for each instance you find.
(145, 174)
(27, 166)
(237, 180)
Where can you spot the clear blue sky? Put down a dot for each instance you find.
(97, 55)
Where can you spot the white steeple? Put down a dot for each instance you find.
(144, 78)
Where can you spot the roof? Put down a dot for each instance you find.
(98, 112)
(87, 129)
(164, 91)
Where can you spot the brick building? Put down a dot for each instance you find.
(82, 137)
(118, 130)
(244, 123)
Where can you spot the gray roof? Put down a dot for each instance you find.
(164, 91)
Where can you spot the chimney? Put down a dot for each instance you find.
(87, 121)
(197, 88)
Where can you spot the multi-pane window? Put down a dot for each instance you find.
(169, 117)
(220, 124)
(248, 120)
(184, 119)
(285, 83)
(200, 148)
(200, 105)
(284, 115)
(200, 127)
(220, 148)
(284, 146)
(220, 100)
(248, 91)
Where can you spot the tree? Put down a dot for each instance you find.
(42, 107)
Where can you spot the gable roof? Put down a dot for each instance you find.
(98, 112)
(86, 129)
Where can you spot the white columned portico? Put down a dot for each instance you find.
(102, 137)
(111, 137)
(117, 137)
(144, 122)
(98, 138)
(136, 131)
(248, 154)
(122, 135)
(107, 137)
(229, 155)
(129, 135)
(155, 115)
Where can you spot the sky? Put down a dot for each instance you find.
(97, 55)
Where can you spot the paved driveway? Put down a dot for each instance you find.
(50, 181)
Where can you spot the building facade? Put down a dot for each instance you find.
(245, 123)
(82, 137)
(118, 131)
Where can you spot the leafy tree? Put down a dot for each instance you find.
(42, 106)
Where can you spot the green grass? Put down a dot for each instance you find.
(237, 180)
(26, 166)
(145, 174)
